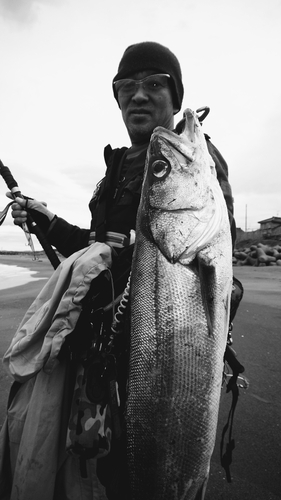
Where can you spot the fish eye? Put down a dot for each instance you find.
(160, 168)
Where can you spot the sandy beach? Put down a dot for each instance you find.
(255, 469)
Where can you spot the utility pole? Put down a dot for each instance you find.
(246, 219)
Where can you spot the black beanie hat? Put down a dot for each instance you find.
(151, 56)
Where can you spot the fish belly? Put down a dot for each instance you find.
(174, 379)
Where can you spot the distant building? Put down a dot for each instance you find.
(270, 228)
(247, 237)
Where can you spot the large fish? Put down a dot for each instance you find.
(180, 293)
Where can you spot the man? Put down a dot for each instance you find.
(149, 91)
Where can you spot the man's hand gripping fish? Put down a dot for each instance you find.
(180, 295)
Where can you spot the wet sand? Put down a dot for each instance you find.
(255, 470)
(15, 301)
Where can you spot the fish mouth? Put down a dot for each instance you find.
(180, 145)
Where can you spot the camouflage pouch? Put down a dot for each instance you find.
(94, 413)
(89, 430)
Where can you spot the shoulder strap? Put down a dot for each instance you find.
(113, 159)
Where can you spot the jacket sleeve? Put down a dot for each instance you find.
(67, 238)
(222, 174)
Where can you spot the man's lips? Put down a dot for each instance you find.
(139, 111)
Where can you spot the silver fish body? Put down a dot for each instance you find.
(180, 293)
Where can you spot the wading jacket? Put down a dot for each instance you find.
(115, 201)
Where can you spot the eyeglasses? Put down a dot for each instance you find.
(151, 84)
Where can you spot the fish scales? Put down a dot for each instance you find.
(175, 368)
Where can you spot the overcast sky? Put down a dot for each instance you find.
(57, 111)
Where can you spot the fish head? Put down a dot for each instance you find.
(178, 198)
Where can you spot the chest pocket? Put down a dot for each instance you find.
(130, 193)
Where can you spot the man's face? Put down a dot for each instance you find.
(143, 110)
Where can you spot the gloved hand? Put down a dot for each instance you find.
(37, 210)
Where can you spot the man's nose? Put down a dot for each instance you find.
(140, 93)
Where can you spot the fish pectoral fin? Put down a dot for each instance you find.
(207, 280)
(201, 493)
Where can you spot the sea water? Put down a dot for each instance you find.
(11, 276)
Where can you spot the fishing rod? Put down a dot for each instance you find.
(16, 192)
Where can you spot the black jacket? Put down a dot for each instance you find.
(115, 201)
